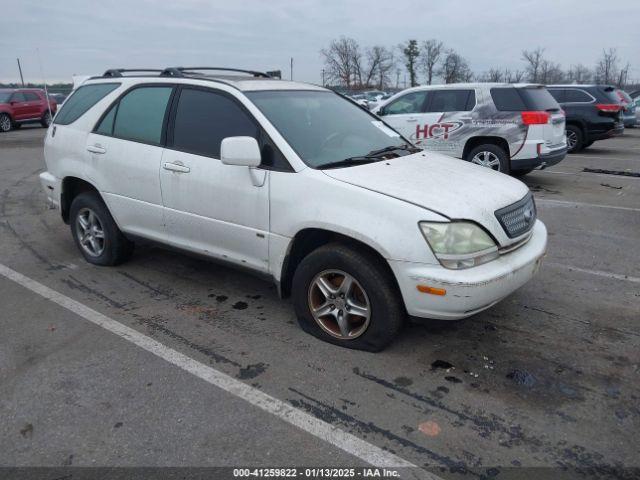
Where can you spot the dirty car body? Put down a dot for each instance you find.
(297, 184)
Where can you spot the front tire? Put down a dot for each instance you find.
(491, 156)
(5, 122)
(95, 233)
(347, 297)
(575, 139)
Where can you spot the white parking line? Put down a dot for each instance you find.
(601, 157)
(567, 203)
(599, 273)
(330, 434)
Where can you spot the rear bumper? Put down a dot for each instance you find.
(545, 160)
(614, 132)
(52, 187)
(472, 290)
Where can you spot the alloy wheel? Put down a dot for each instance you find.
(487, 159)
(90, 232)
(572, 139)
(5, 123)
(339, 304)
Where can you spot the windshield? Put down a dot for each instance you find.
(322, 127)
(4, 97)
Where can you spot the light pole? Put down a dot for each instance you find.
(20, 70)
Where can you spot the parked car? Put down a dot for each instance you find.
(297, 184)
(628, 109)
(24, 105)
(508, 128)
(59, 98)
(593, 113)
(360, 99)
(636, 102)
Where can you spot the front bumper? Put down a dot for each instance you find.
(52, 187)
(472, 290)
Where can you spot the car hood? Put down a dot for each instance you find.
(448, 186)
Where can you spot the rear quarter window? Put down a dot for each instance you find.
(82, 100)
(512, 99)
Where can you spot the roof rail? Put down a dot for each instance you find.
(117, 72)
(182, 71)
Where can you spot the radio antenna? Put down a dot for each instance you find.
(46, 92)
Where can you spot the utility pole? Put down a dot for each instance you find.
(20, 70)
(323, 77)
(291, 69)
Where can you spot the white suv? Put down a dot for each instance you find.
(294, 182)
(512, 128)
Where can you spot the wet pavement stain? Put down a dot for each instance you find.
(452, 379)
(522, 377)
(252, 371)
(441, 365)
(240, 305)
(403, 381)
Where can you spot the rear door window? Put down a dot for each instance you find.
(82, 100)
(18, 97)
(141, 113)
(413, 102)
(451, 101)
(558, 94)
(573, 95)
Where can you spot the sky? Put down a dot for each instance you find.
(90, 36)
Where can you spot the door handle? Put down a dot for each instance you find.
(176, 167)
(411, 120)
(96, 149)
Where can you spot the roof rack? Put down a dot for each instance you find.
(182, 71)
(117, 72)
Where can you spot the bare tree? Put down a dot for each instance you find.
(579, 74)
(342, 61)
(454, 68)
(623, 76)
(534, 59)
(411, 53)
(493, 75)
(550, 72)
(607, 67)
(430, 54)
(380, 63)
(515, 76)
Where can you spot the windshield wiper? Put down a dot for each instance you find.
(372, 156)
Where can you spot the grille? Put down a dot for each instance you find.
(518, 218)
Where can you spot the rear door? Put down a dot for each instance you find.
(19, 106)
(447, 122)
(406, 113)
(34, 104)
(124, 155)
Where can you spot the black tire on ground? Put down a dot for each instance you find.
(116, 247)
(45, 121)
(16, 126)
(587, 144)
(387, 313)
(576, 132)
(5, 122)
(521, 173)
(485, 153)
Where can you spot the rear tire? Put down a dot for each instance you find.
(491, 156)
(575, 139)
(5, 122)
(46, 119)
(373, 294)
(95, 232)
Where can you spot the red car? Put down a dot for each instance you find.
(24, 105)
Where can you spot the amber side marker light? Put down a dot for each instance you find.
(431, 290)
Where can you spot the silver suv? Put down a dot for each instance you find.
(512, 128)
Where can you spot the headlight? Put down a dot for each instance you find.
(459, 245)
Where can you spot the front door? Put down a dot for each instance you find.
(406, 114)
(212, 208)
(19, 106)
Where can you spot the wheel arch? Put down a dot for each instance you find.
(307, 240)
(474, 142)
(72, 187)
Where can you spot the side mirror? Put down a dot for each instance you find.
(242, 151)
(380, 111)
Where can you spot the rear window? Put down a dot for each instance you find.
(82, 100)
(511, 99)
